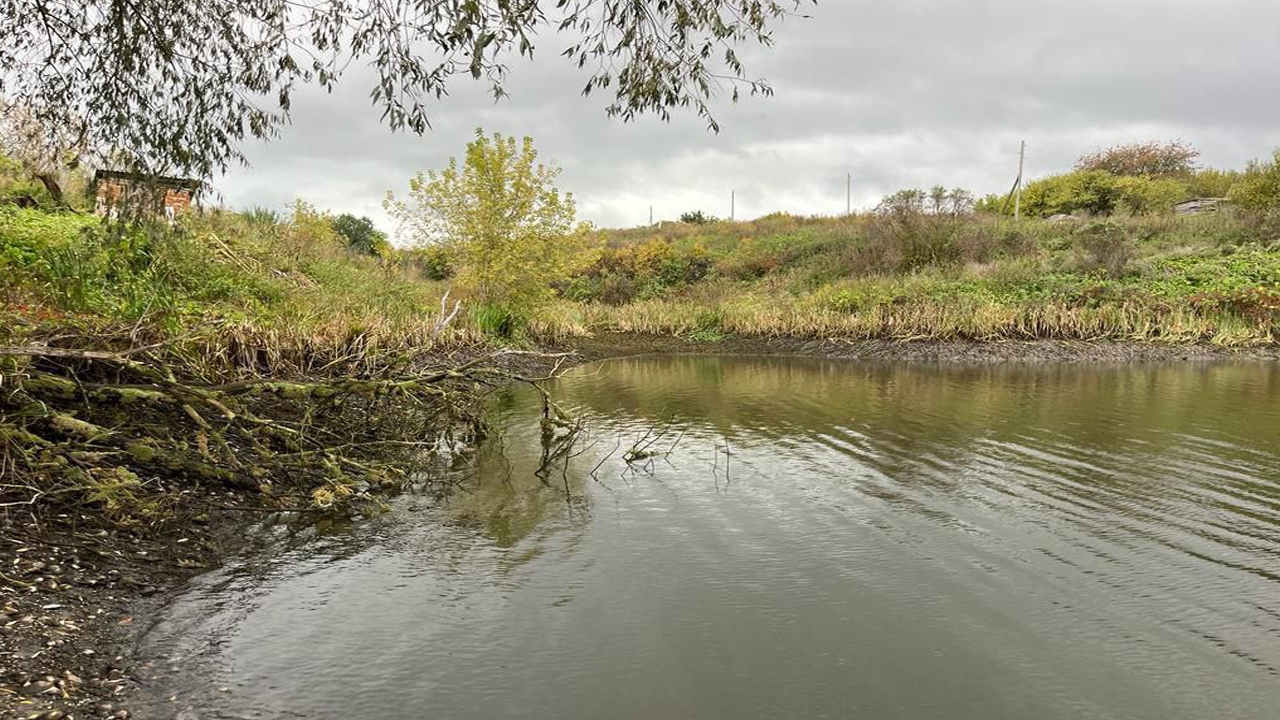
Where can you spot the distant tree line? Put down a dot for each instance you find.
(1140, 179)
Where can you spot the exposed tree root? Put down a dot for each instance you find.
(102, 425)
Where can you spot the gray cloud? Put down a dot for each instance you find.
(908, 93)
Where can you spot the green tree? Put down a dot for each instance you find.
(360, 233)
(15, 181)
(50, 154)
(1085, 191)
(509, 231)
(178, 86)
(696, 217)
(1259, 189)
(1143, 195)
(1213, 183)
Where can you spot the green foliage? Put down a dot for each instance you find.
(696, 217)
(1259, 189)
(432, 261)
(1208, 278)
(854, 296)
(1209, 272)
(259, 215)
(1213, 183)
(238, 62)
(360, 234)
(1107, 247)
(508, 229)
(16, 183)
(647, 269)
(992, 204)
(1149, 196)
(708, 326)
(497, 321)
(295, 277)
(114, 271)
(913, 229)
(1093, 192)
(1097, 192)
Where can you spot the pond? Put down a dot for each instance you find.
(808, 539)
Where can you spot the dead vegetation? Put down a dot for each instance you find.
(110, 423)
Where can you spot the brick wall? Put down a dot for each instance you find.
(167, 201)
(177, 200)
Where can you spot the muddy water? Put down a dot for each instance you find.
(824, 540)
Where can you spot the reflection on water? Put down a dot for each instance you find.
(879, 541)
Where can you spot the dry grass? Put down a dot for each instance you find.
(768, 316)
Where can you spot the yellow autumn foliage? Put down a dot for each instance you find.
(510, 232)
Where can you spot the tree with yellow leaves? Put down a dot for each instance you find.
(510, 232)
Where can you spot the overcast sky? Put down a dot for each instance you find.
(902, 93)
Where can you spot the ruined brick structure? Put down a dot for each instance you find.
(118, 192)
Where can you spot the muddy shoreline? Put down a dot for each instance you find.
(605, 346)
(72, 583)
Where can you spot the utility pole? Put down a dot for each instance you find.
(650, 216)
(848, 194)
(733, 204)
(1017, 198)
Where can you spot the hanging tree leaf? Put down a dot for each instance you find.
(178, 86)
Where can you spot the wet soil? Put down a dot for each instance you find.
(608, 345)
(72, 585)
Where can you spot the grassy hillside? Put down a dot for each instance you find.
(289, 295)
(259, 293)
(1209, 278)
(238, 351)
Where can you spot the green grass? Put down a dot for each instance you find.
(1212, 278)
(285, 292)
(259, 292)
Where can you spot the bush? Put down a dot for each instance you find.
(497, 321)
(1212, 183)
(913, 229)
(432, 261)
(511, 233)
(748, 262)
(17, 184)
(696, 217)
(685, 267)
(258, 215)
(617, 289)
(360, 234)
(1098, 192)
(1015, 242)
(977, 243)
(655, 265)
(119, 272)
(994, 204)
(1149, 196)
(1106, 246)
(1094, 192)
(1147, 159)
(1259, 189)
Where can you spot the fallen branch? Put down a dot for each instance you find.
(72, 416)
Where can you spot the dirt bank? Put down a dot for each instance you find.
(73, 584)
